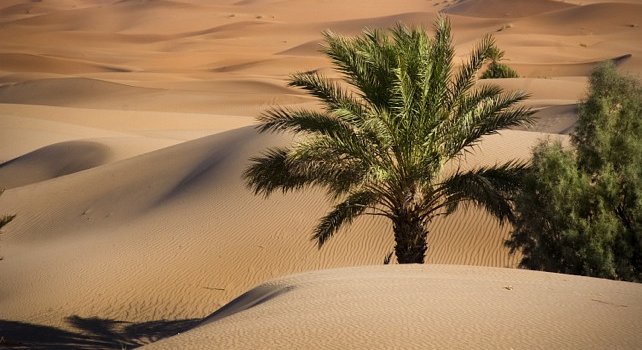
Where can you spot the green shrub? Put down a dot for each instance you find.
(580, 210)
(498, 70)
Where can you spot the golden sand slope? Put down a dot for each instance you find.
(424, 307)
(123, 134)
(183, 228)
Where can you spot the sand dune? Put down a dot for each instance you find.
(596, 18)
(68, 157)
(212, 240)
(125, 126)
(571, 69)
(96, 93)
(52, 161)
(419, 307)
(107, 122)
(66, 91)
(37, 63)
(505, 8)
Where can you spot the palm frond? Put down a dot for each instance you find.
(330, 94)
(273, 171)
(365, 62)
(451, 132)
(305, 165)
(342, 214)
(467, 103)
(331, 130)
(336, 166)
(491, 188)
(466, 76)
(281, 119)
(442, 53)
(487, 117)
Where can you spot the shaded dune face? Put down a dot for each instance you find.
(505, 8)
(125, 127)
(52, 161)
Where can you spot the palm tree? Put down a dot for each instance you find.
(380, 143)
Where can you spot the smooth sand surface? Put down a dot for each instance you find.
(424, 307)
(125, 127)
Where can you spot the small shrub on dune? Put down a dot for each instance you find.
(498, 70)
(5, 219)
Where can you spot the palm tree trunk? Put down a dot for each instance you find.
(410, 238)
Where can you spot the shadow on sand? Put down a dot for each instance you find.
(89, 333)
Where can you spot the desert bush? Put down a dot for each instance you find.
(580, 209)
(497, 70)
(5, 219)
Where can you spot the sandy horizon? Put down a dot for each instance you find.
(125, 127)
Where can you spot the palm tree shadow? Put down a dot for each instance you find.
(89, 333)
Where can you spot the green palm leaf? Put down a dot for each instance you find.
(342, 214)
(491, 188)
(333, 96)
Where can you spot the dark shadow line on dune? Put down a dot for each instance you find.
(248, 300)
(224, 150)
(92, 333)
(89, 333)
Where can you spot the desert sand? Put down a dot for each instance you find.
(458, 307)
(124, 129)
